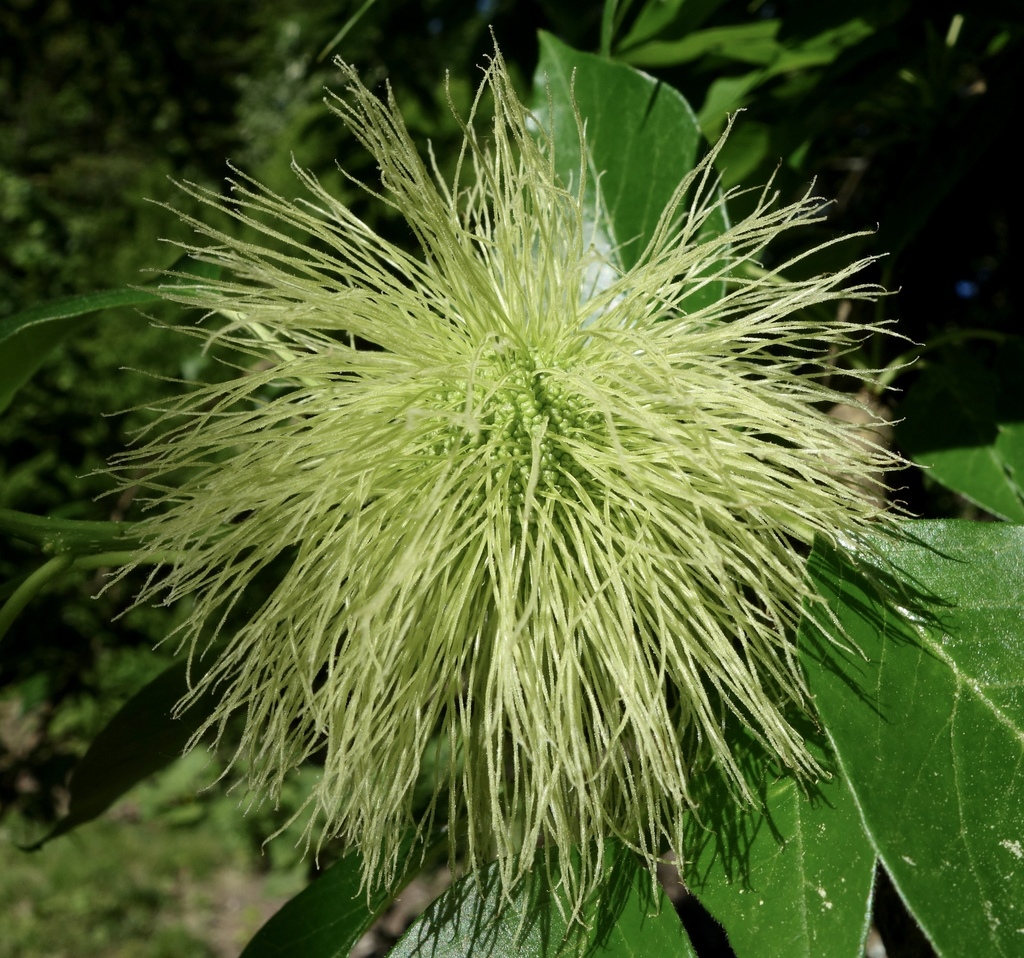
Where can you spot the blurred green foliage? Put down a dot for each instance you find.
(145, 881)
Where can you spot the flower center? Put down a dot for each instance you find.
(525, 422)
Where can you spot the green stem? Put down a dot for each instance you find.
(55, 536)
(348, 25)
(27, 590)
(28, 587)
(102, 560)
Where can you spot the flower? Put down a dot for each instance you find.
(541, 525)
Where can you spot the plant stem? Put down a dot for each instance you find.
(56, 536)
(26, 591)
(28, 587)
(104, 559)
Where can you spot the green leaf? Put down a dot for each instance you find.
(325, 919)
(72, 306)
(642, 139)
(743, 42)
(793, 882)
(626, 919)
(746, 148)
(142, 738)
(28, 337)
(754, 43)
(725, 96)
(928, 725)
(965, 423)
(660, 18)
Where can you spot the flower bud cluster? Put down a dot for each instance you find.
(527, 422)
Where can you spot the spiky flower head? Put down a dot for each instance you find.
(541, 520)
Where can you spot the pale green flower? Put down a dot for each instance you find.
(544, 536)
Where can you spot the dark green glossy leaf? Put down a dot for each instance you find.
(627, 919)
(965, 423)
(324, 920)
(793, 882)
(642, 139)
(142, 738)
(928, 726)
